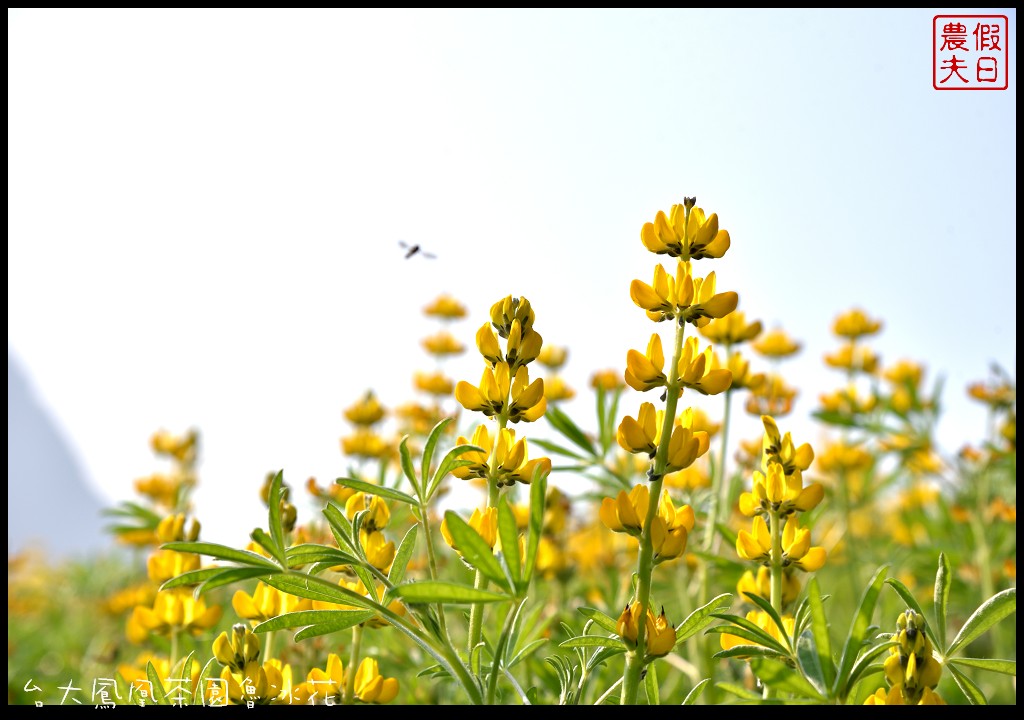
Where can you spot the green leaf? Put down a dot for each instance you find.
(474, 548)
(444, 592)
(773, 614)
(204, 675)
(231, 575)
(405, 459)
(819, 628)
(1007, 667)
(602, 655)
(402, 556)
(908, 597)
(694, 694)
(651, 685)
(449, 463)
(341, 528)
(368, 580)
(309, 553)
(858, 633)
(943, 579)
(810, 664)
(159, 694)
(274, 497)
(371, 489)
(564, 424)
(739, 691)
(526, 651)
(192, 577)
(780, 676)
(605, 622)
(555, 448)
(538, 496)
(747, 630)
(431, 444)
(699, 618)
(863, 664)
(508, 532)
(222, 552)
(266, 542)
(599, 641)
(305, 618)
(749, 651)
(314, 588)
(339, 622)
(973, 693)
(988, 614)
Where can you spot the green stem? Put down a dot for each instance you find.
(174, 648)
(268, 646)
(720, 482)
(635, 660)
(432, 561)
(476, 614)
(775, 529)
(349, 696)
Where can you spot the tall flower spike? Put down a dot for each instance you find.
(781, 449)
(854, 324)
(645, 372)
(785, 494)
(505, 311)
(687, 239)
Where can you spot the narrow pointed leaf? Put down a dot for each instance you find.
(943, 578)
(159, 694)
(315, 588)
(265, 541)
(773, 614)
(564, 424)
(538, 496)
(232, 575)
(194, 577)
(819, 628)
(429, 447)
(405, 459)
(605, 622)
(444, 592)
(700, 618)
(651, 685)
(380, 490)
(581, 641)
(1007, 667)
(739, 691)
(749, 651)
(746, 629)
(450, 462)
(221, 552)
(694, 694)
(988, 614)
(276, 527)
(973, 693)
(508, 532)
(305, 618)
(858, 633)
(779, 676)
(863, 664)
(333, 625)
(555, 448)
(810, 664)
(474, 548)
(402, 556)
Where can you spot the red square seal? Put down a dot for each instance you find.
(970, 52)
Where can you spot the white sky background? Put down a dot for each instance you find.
(204, 209)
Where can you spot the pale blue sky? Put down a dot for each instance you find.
(204, 207)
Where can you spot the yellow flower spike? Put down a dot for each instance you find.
(442, 343)
(512, 463)
(706, 304)
(490, 397)
(377, 512)
(628, 624)
(757, 544)
(523, 346)
(739, 366)
(607, 380)
(266, 603)
(552, 356)
(371, 687)
(695, 370)
(445, 307)
(326, 683)
(479, 468)
(645, 372)
(626, 512)
(364, 443)
(255, 683)
(685, 445)
(855, 324)
(781, 449)
(487, 344)
(433, 383)
(237, 650)
(674, 235)
(366, 411)
(380, 552)
(853, 358)
(847, 401)
(661, 636)
(779, 492)
(509, 309)
(174, 611)
(556, 390)
(640, 435)
(771, 397)
(732, 329)
(172, 529)
(528, 402)
(776, 344)
(164, 565)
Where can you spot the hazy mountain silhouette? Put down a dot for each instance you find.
(49, 502)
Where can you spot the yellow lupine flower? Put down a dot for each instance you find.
(488, 345)
(905, 372)
(366, 411)
(508, 309)
(695, 370)
(995, 394)
(556, 389)
(181, 447)
(552, 356)
(433, 383)
(255, 683)
(356, 586)
(626, 512)
(479, 467)
(847, 401)
(772, 397)
(607, 380)
(237, 650)
(442, 343)
(687, 238)
(691, 478)
(796, 545)
(739, 366)
(782, 493)
(161, 489)
(764, 621)
(377, 511)
(732, 329)
(685, 297)
(854, 324)
(781, 449)
(776, 344)
(380, 552)
(661, 636)
(685, 445)
(485, 523)
(670, 530)
(445, 307)
(528, 402)
(853, 358)
(641, 435)
(842, 457)
(163, 565)
(326, 686)
(173, 529)
(364, 443)
(761, 584)
(371, 687)
(265, 603)
(492, 393)
(895, 697)
(646, 371)
(523, 345)
(512, 463)
(173, 611)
